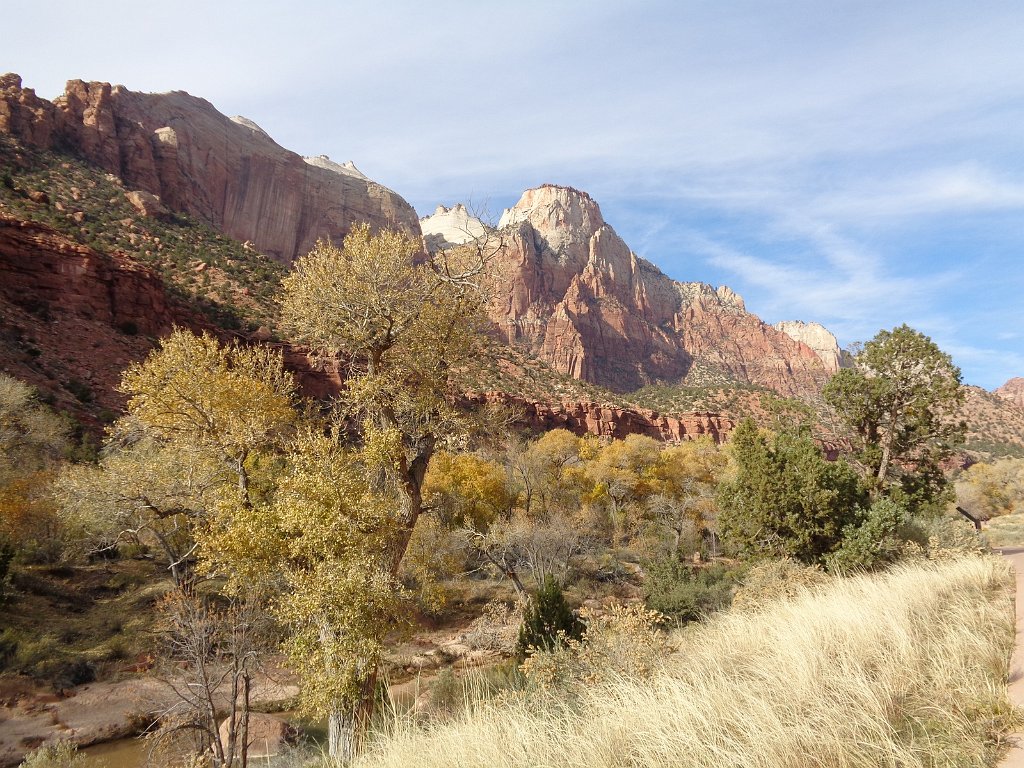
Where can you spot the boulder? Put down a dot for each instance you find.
(268, 734)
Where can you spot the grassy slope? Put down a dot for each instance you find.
(902, 669)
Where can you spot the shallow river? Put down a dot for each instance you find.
(132, 753)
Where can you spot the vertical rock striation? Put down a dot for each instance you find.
(570, 290)
(226, 171)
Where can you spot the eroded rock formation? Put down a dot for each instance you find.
(75, 318)
(226, 171)
(605, 420)
(451, 226)
(817, 337)
(572, 292)
(1012, 391)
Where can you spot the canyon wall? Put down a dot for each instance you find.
(571, 291)
(225, 171)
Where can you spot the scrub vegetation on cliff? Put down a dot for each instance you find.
(230, 283)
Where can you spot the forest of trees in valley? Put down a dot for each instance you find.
(322, 530)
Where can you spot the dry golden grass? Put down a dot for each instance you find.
(902, 669)
(1006, 531)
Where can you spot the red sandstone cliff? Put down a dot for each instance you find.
(608, 420)
(72, 319)
(226, 171)
(572, 292)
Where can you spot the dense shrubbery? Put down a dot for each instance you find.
(684, 592)
(547, 621)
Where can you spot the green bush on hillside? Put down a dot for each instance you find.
(687, 593)
(547, 619)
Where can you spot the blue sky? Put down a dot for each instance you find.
(856, 163)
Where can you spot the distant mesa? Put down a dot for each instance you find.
(225, 171)
(817, 337)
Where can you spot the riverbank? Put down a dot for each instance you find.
(103, 711)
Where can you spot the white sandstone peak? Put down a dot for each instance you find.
(454, 225)
(347, 168)
(246, 122)
(729, 297)
(817, 337)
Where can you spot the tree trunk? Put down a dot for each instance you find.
(246, 693)
(341, 735)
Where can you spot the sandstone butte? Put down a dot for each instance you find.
(573, 293)
(225, 171)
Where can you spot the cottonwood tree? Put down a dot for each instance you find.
(685, 479)
(900, 403)
(470, 497)
(323, 549)
(202, 419)
(195, 455)
(213, 650)
(619, 480)
(404, 328)
(32, 441)
(993, 489)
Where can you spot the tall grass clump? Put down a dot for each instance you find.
(907, 668)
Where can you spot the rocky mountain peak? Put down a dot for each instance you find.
(575, 294)
(554, 210)
(1012, 391)
(817, 337)
(451, 226)
(225, 171)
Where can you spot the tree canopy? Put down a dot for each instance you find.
(900, 403)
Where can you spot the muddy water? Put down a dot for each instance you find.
(133, 753)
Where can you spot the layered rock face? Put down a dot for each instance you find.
(227, 172)
(1012, 391)
(74, 318)
(817, 337)
(571, 291)
(610, 421)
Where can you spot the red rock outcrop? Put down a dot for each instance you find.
(72, 319)
(608, 420)
(572, 292)
(1012, 391)
(226, 171)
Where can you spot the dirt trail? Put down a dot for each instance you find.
(1015, 757)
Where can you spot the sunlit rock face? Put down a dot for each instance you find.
(572, 291)
(1012, 391)
(451, 226)
(226, 171)
(817, 337)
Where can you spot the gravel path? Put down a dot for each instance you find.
(1015, 757)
